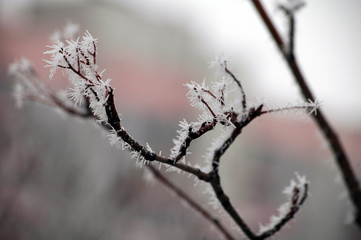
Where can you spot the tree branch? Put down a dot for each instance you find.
(190, 201)
(192, 135)
(114, 122)
(330, 135)
(216, 180)
(102, 108)
(244, 100)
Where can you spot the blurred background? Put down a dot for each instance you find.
(61, 179)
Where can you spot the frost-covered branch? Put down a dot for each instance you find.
(248, 116)
(78, 59)
(296, 193)
(303, 107)
(186, 135)
(91, 96)
(331, 137)
(30, 87)
(216, 179)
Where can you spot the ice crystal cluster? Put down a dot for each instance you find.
(223, 102)
(78, 59)
(213, 102)
(179, 140)
(210, 101)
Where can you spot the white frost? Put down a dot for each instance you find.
(300, 183)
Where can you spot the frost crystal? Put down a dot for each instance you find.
(300, 107)
(215, 144)
(313, 106)
(182, 135)
(213, 200)
(212, 102)
(113, 138)
(219, 64)
(296, 193)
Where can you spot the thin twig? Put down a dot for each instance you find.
(190, 201)
(216, 180)
(114, 122)
(228, 207)
(192, 135)
(244, 100)
(48, 96)
(160, 177)
(290, 13)
(296, 203)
